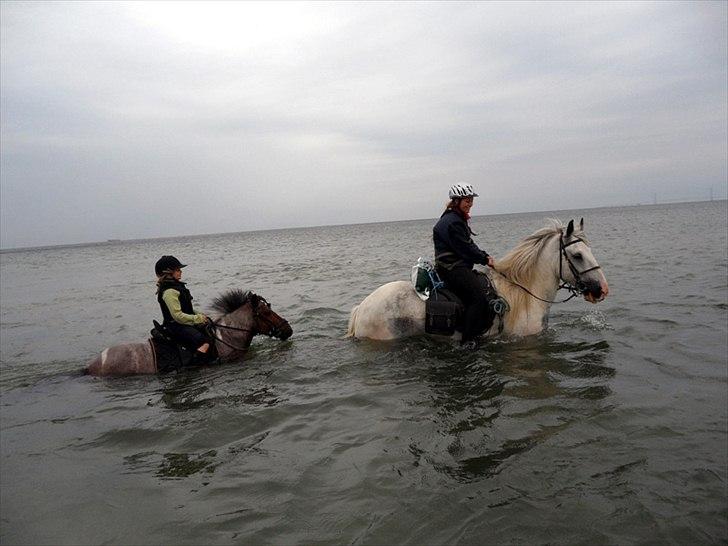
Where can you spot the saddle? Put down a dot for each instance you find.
(170, 355)
(444, 311)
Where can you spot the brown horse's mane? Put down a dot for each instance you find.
(233, 299)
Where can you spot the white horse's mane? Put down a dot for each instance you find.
(518, 264)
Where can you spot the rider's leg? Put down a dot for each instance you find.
(189, 336)
(472, 289)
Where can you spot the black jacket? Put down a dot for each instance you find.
(454, 246)
(185, 299)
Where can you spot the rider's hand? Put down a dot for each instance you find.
(491, 262)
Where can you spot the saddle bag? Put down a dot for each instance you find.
(443, 313)
(425, 279)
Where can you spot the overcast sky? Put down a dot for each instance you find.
(133, 120)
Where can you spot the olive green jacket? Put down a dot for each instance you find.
(171, 299)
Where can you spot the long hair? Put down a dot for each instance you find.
(164, 277)
(453, 204)
(518, 263)
(234, 299)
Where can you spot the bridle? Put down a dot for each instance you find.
(579, 287)
(576, 289)
(274, 331)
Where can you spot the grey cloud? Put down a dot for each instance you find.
(106, 108)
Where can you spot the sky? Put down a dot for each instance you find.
(127, 120)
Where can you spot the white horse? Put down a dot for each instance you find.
(528, 278)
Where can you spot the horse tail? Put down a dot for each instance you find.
(352, 319)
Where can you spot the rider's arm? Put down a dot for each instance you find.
(462, 244)
(171, 300)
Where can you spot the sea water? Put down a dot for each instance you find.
(610, 427)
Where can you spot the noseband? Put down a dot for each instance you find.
(576, 289)
(275, 329)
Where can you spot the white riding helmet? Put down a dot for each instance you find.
(462, 190)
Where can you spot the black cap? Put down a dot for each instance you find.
(167, 263)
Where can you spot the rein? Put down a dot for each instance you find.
(575, 290)
(213, 333)
(273, 332)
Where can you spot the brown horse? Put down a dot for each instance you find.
(243, 315)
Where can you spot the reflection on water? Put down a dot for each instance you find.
(472, 468)
(192, 389)
(186, 395)
(172, 465)
(508, 398)
(182, 465)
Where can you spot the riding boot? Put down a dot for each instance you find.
(200, 359)
(213, 357)
(208, 358)
(473, 289)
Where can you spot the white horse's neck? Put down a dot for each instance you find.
(528, 315)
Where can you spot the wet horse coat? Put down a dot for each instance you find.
(525, 277)
(244, 315)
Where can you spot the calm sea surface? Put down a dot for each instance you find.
(610, 428)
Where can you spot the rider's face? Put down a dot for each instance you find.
(177, 274)
(466, 203)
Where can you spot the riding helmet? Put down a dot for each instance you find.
(462, 190)
(167, 263)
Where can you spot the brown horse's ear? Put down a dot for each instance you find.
(570, 229)
(581, 225)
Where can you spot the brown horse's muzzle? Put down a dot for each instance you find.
(283, 331)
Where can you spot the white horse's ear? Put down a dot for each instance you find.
(570, 229)
(581, 225)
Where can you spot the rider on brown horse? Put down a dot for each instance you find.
(180, 319)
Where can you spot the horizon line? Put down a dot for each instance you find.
(212, 234)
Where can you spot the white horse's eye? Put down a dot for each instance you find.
(578, 256)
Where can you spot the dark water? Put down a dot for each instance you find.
(610, 428)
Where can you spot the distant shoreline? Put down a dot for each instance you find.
(172, 237)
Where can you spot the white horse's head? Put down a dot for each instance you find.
(578, 267)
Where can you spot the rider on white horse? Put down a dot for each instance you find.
(455, 256)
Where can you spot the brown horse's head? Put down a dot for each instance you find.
(255, 313)
(267, 322)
